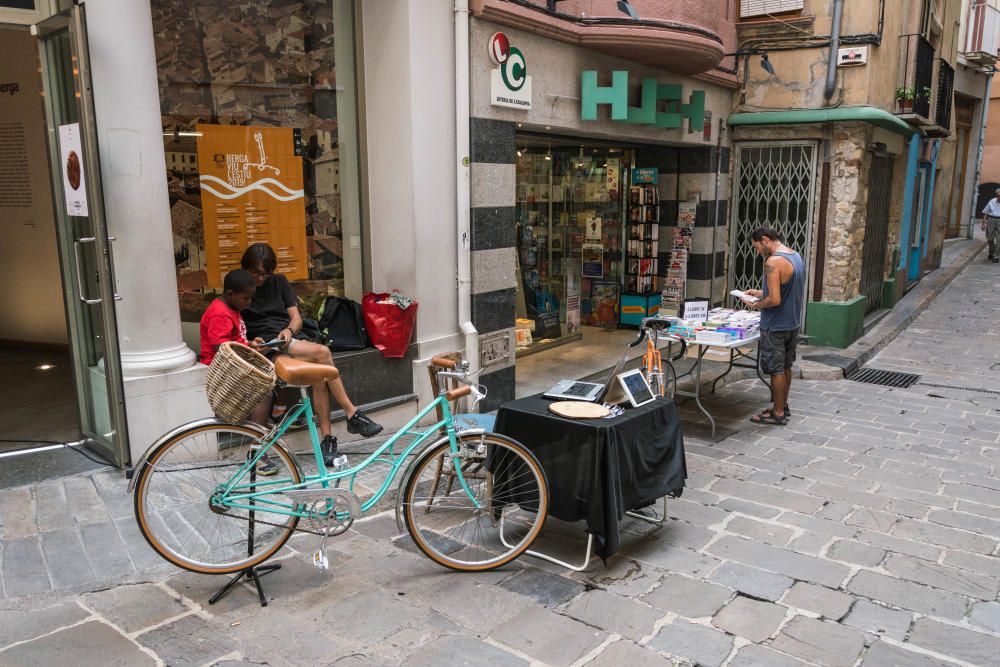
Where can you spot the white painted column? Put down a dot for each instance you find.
(163, 384)
(127, 100)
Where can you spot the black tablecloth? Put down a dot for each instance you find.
(598, 469)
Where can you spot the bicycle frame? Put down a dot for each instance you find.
(653, 364)
(238, 495)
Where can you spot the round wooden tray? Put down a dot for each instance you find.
(578, 410)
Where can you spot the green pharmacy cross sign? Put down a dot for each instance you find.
(648, 113)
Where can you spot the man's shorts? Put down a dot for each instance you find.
(777, 350)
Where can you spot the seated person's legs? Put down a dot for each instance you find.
(261, 412)
(357, 421)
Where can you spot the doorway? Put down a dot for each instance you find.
(956, 199)
(38, 399)
(774, 185)
(876, 229)
(58, 341)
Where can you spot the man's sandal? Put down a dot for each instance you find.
(788, 411)
(767, 417)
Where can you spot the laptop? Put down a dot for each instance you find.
(591, 392)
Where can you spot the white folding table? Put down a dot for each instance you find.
(735, 355)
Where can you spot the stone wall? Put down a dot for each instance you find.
(846, 212)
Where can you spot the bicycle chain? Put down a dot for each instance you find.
(270, 523)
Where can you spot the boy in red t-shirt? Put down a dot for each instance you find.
(223, 323)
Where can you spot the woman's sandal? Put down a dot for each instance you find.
(767, 417)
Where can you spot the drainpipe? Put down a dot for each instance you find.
(831, 68)
(462, 184)
(979, 151)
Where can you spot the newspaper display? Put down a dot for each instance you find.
(675, 282)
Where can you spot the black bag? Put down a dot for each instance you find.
(342, 324)
(310, 331)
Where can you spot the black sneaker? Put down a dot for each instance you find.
(360, 423)
(329, 449)
(266, 467)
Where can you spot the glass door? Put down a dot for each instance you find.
(84, 245)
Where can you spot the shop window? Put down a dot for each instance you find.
(260, 137)
(569, 212)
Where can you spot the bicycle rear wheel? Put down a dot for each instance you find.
(491, 523)
(174, 504)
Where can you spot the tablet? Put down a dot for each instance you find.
(636, 388)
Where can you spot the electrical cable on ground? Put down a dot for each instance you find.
(55, 443)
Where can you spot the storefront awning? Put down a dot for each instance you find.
(872, 115)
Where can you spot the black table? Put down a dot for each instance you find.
(598, 469)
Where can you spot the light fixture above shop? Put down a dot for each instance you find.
(625, 8)
(765, 63)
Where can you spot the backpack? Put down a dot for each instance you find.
(342, 324)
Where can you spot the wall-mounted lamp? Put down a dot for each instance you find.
(625, 8)
(765, 63)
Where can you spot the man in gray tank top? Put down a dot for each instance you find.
(780, 307)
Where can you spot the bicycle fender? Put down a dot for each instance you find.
(198, 423)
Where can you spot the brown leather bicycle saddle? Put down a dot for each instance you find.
(302, 373)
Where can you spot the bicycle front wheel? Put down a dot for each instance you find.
(477, 509)
(177, 508)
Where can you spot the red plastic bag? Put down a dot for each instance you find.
(389, 326)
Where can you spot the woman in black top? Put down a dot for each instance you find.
(274, 313)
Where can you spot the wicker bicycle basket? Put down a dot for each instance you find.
(237, 380)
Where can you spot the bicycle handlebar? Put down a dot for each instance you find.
(657, 325)
(444, 362)
(460, 371)
(684, 346)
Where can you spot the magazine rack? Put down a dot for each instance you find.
(641, 297)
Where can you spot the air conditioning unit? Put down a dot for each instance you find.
(852, 55)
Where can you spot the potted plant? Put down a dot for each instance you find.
(904, 99)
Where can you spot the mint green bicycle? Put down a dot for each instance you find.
(471, 500)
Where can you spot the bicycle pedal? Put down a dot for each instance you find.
(340, 461)
(320, 560)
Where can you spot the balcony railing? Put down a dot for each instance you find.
(918, 75)
(981, 32)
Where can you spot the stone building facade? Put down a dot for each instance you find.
(882, 176)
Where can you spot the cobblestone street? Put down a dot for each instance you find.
(865, 532)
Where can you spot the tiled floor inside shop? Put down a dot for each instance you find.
(38, 406)
(595, 354)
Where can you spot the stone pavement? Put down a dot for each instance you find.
(866, 532)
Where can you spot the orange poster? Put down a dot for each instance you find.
(252, 191)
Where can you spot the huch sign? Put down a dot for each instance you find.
(661, 103)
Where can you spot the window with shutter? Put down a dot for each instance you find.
(751, 8)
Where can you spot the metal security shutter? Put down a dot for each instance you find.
(774, 185)
(750, 8)
(876, 230)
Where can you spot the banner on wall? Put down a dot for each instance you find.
(252, 192)
(74, 182)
